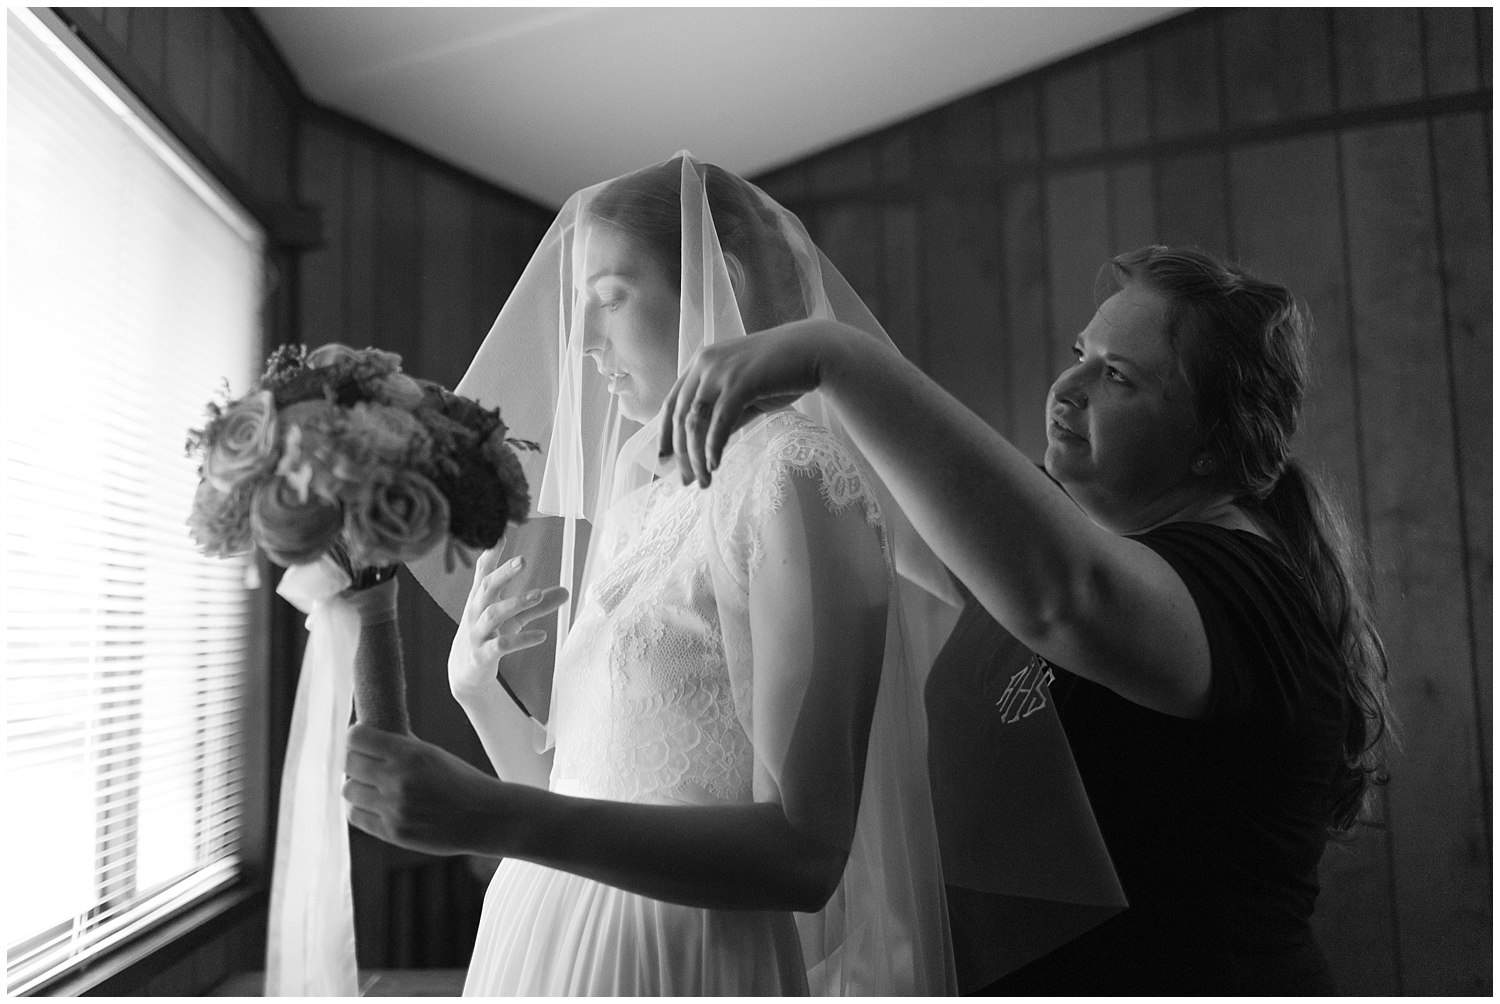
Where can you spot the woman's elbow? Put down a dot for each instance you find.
(820, 870)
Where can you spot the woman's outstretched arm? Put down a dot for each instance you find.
(1086, 597)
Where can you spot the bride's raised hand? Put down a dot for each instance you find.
(728, 383)
(494, 623)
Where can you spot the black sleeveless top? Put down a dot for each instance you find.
(1215, 825)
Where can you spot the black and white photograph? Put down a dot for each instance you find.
(704, 501)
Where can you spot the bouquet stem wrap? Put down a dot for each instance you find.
(379, 679)
(310, 937)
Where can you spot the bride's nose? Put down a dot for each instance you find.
(592, 334)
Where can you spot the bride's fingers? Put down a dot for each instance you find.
(504, 618)
(489, 589)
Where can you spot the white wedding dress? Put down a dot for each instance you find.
(655, 701)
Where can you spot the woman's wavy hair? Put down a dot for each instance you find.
(1241, 346)
(646, 206)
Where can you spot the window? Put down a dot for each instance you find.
(133, 291)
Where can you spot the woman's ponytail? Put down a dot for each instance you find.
(1241, 343)
(1325, 549)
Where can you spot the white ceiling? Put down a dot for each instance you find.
(547, 100)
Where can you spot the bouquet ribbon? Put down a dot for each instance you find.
(310, 939)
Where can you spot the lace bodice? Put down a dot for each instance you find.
(647, 707)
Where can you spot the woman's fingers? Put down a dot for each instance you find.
(502, 622)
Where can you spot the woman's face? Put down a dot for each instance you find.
(1121, 431)
(630, 310)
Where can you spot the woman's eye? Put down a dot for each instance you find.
(1115, 375)
(1077, 354)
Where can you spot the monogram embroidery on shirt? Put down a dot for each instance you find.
(1026, 693)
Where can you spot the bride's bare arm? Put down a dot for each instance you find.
(818, 621)
(494, 625)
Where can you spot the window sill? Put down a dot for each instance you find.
(131, 967)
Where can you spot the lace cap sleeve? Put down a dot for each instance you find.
(787, 453)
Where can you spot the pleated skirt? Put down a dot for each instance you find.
(549, 933)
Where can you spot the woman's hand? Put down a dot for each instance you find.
(494, 623)
(413, 794)
(728, 383)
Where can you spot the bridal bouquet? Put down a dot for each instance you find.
(337, 452)
(341, 465)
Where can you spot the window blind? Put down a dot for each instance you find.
(133, 292)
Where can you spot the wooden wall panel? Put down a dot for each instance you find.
(1073, 108)
(321, 181)
(1452, 50)
(1127, 97)
(1191, 201)
(189, 71)
(1032, 365)
(1436, 812)
(1378, 55)
(962, 346)
(1276, 64)
(1462, 175)
(901, 303)
(1132, 206)
(1078, 244)
(1184, 72)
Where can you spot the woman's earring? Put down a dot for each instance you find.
(1202, 466)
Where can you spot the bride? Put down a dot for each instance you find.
(731, 793)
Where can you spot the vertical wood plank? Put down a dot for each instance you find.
(1486, 44)
(849, 168)
(116, 21)
(961, 322)
(270, 131)
(1452, 55)
(1277, 64)
(187, 71)
(321, 182)
(361, 248)
(851, 236)
(1077, 247)
(148, 41)
(902, 305)
(1462, 167)
(228, 104)
(1185, 80)
(1027, 335)
(958, 140)
(1073, 103)
(1287, 228)
(447, 322)
(895, 155)
(492, 257)
(1132, 206)
(397, 291)
(1127, 96)
(1017, 124)
(1379, 55)
(1190, 202)
(1437, 830)
(784, 184)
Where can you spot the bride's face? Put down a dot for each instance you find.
(630, 309)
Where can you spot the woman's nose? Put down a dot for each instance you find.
(1070, 387)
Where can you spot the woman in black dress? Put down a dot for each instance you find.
(1195, 602)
